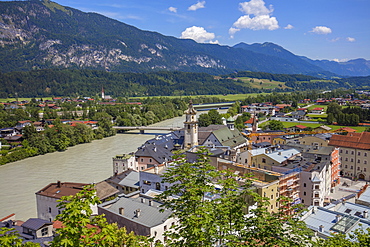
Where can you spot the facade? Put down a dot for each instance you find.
(313, 141)
(141, 215)
(354, 153)
(190, 127)
(124, 162)
(37, 228)
(151, 179)
(46, 198)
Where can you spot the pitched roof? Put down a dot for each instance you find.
(351, 140)
(35, 223)
(230, 138)
(150, 216)
(128, 178)
(105, 190)
(300, 126)
(57, 190)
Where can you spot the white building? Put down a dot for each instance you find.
(46, 198)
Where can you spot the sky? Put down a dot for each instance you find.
(318, 29)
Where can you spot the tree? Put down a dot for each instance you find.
(80, 228)
(274, 125)
(10, 238)
(222, 219)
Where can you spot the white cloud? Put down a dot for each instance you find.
(198, 5)
(199, 34)
(257, 23)
(172, 9)
(334, 40)
(232, 31)
(289, 27)
(257, 17)
(350, 39)
(321, 30)
(255, 7)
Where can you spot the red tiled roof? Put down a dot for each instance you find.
(347, 129)
(301, 126)
(318, 109)
(351, 140)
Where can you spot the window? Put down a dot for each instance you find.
(44, 231)
(272, 207)
(165, 228)
(141, 160)
(304, 185)
(351, 160)
(358, 168)
(365, 154)
(346, 151)
(272, 197)
(341, 151)
(304, 193)
(49, 209)
(364, 168)
(351, 168)
(345, 166)
(157, 186)
(317, 187)
(358, 161)
(263, 160)
(147, 182)
(359, 153)
(346, 159)
(352, 152)
(150, 160)
(365, 162)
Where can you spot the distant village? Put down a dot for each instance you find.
(323, 169)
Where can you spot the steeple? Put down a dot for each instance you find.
(102, 93)
(190, 127)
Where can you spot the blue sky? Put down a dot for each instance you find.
(318, 29)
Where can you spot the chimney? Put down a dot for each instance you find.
(279, 153)
(142, 200)
(155, 149)
(138, 212)
(314, 209)
(58, 184)
(366, 214)
(156, 169)
(150, 203)
(121, 211)
(321, 228)
(337, 218)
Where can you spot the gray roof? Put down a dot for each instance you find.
(150, 216)
(35, 223)
(129, 178)
(328, 219)
(365, 196)
(158, 152)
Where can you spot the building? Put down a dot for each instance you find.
(344, 218)
(122, 163)
(354, 153)
(46, 198)
(141, 215)
(126, 182)
(190, 127)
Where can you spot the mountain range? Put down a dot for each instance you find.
(43, 34)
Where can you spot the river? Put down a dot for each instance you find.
(85, 163)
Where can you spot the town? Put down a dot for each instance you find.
(324, 169)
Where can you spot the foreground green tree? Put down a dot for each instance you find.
(211, 206)
(80, 228)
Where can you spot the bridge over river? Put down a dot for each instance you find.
(143, 128)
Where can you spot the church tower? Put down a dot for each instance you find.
(191, 127)
(102, 93)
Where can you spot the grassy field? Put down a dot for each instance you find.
(22, 99)
(263, 83)
(228, 97)
(318, 106)
(313, 125)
